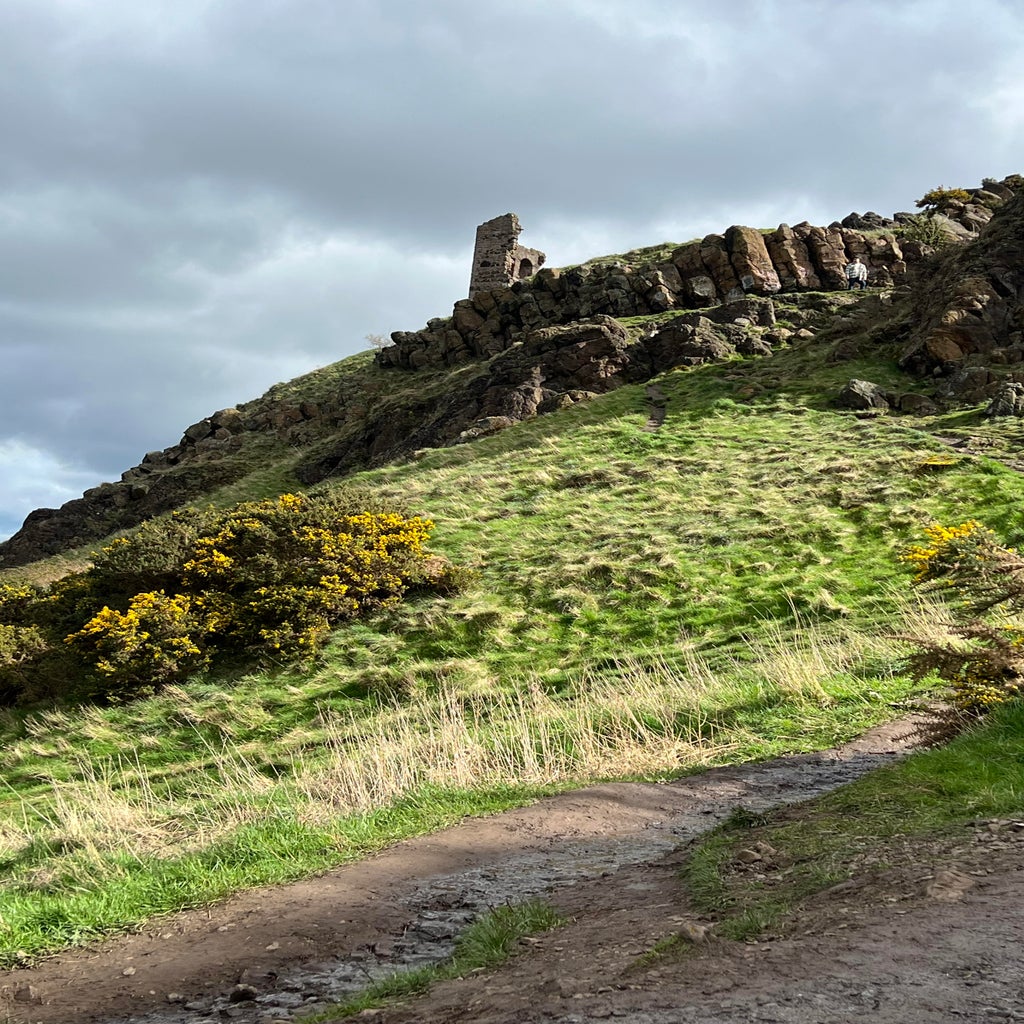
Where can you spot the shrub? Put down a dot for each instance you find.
(277, 575)
(941, 197)
(981, 661)
(136, 652)
(263, 580)
(16, 600)
(150, 558)
(20, 649)
(926, 230)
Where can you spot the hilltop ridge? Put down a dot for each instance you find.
(563, 336)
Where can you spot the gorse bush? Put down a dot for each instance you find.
(939, 197)
(134, 653)
(265, 580)
(276, 575)
(981, 660)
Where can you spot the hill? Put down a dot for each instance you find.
(684, 525)
(507, 355)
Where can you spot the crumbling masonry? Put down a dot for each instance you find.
(498, 258)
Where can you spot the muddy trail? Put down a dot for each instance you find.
(276, 954)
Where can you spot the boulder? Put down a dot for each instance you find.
(869, 221)
(197, 431)
(827, 251)
(227, 419)
(483, 427)
(792, 261)
(714, 253)
(466, 319)
(864, 394)
(917, 405)
(1007, 401)
(698, 287)
(969, 384)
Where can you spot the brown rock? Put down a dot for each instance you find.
(466, 319)
(791, 260)
(698, 287)
(827, 252)
(941, 346)
(863, 394)
(197, 431)
(715, 255)
(917, 405)
(751, 262)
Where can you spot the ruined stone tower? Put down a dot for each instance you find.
(498, 258)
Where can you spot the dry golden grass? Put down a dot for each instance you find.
(643, 719)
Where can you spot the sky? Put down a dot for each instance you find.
(201, 198)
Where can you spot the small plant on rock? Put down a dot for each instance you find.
(940, 197)
(926, 230)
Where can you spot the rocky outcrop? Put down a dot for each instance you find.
(970, 314)
(550, 368)
(700, 274)
(717, 269)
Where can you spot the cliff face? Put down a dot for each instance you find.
(511, 353)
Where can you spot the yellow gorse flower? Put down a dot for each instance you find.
(923, 559)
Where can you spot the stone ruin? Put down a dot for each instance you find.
(498, 258)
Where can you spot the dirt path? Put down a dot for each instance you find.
(605, 853)
(920, 954)
(657, 407)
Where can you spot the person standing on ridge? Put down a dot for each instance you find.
(856, 274)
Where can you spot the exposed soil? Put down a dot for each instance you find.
(921, 943)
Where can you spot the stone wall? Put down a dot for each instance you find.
(498, 258)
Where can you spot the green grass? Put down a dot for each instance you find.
(931, 795)
(485, 944)
(646, 604)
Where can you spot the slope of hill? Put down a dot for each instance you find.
(691, 561)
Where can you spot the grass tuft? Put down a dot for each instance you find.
(485, 944)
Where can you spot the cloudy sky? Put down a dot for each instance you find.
(200, 198)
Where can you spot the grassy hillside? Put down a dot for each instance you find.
(646, 603)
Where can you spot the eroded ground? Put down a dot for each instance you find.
(936, 940)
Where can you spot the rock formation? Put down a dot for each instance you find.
(969, 315)
(548, 369)
(713, 270)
